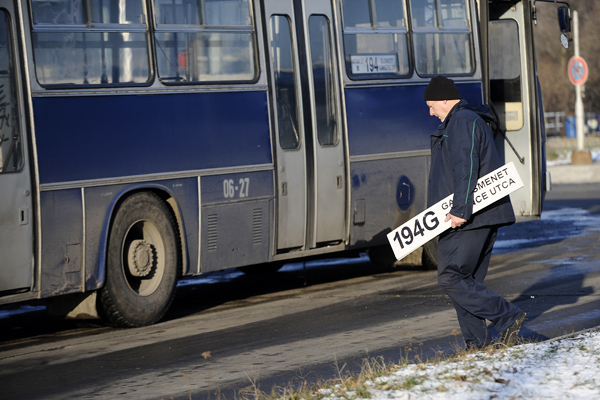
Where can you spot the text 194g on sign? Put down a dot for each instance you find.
(430, 223)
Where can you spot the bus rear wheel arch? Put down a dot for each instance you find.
(142, 262)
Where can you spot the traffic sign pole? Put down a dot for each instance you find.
(578, 75)
(578, 100)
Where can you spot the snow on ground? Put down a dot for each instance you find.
(566, 368)
(554, 225)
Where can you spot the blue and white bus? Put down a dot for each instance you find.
(146, 140)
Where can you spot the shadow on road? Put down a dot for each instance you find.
(211, 292)
(233, 288)
(563, 285)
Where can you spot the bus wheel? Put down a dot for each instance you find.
(429, 257)
(382, 256)
(142, 262)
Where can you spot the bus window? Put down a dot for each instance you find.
(177, 13)
(11, 158)
(83, 42)
(323, 82)
(375, 39)
(204, 41)
(216, 12)
(505, 72)
(442, 37)
(78, 12)
(227, 12)
(285, 82)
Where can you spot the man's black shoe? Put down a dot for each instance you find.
(509, 336)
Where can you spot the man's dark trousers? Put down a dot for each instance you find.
(463, 260)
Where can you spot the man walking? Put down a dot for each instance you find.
(462, 150)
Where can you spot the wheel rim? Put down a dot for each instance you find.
(143, 257)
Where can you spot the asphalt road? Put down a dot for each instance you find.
(230, 335)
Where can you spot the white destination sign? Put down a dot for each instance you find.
(374, 64)
(430, 223)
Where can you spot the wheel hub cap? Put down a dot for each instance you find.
(141, 258)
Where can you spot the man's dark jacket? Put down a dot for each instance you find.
(462, 150)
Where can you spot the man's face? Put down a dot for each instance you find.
(437, 109)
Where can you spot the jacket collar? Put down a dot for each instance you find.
(460, 105)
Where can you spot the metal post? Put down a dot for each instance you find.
(580, 156)
(578, 100)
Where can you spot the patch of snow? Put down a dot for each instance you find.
(566, 368)
(564, 223)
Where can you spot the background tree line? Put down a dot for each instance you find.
(552, 58)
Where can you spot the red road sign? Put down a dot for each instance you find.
(578, 71)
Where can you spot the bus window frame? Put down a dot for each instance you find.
(517, 81)
(472, 30)
(181, 28)
(13, 65)
(296, 85)
(375, 30)
(332, 98)
(151, 28)
(440, 30)
(94, 27)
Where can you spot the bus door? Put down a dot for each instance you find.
(514, 93)
(306, 110)
(16, 233)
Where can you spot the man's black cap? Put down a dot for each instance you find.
(441, 88)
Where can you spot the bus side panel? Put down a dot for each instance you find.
(236, 219)
(62, 242)
(385, 194)
(388, 119)
(99, 204)
(389, 190)
(86, 138)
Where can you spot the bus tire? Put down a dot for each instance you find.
(429, 257)
(142, 263)
(382, 256)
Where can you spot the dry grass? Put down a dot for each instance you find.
(560, 147)
(355, 386)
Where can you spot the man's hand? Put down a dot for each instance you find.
(457, 222)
